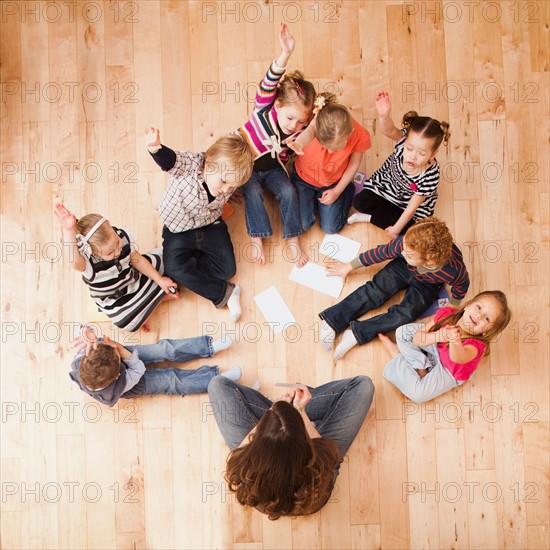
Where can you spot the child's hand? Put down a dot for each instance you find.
(152, 137)
(294, 145)
(86, 340)
(448, 333)
(288, 43)
(64, 217)
(383, 105)
(391, 232)
(302, 397)
(329, 197)
(339, 269)
(166, 284)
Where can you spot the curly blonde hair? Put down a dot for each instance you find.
(431, 238)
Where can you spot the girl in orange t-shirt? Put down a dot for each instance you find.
(329, 153)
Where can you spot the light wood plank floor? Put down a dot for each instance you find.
(80, 82)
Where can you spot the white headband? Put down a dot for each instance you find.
(82, 240)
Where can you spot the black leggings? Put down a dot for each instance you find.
(383, 212)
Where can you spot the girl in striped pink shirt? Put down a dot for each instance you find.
(282, 108)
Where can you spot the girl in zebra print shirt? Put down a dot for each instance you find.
(404, 189)
(126, 285)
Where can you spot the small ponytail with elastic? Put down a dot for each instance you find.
(427, 127)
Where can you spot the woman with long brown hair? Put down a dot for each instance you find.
(285, 455)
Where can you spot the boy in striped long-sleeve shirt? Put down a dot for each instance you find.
(422, 261)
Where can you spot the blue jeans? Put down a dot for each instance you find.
(337, 409)
(392, 278)
(201, 259)
(332, 217)
(277, 182)
(172, 381)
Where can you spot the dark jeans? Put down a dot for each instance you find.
(392, 278)
(383, 212)
(332, 217)
(201, 259)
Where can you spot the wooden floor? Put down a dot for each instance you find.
(80, 82)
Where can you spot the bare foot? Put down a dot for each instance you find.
(295, 252)
(257, 254)
(389, 346)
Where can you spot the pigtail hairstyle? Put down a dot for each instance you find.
(294, 88)
(495, 328)
(279, 470)
(427, 127)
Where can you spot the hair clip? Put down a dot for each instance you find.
(319, 103)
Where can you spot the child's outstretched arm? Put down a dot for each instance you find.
(288, 43)
(414, 202)
(145, 267)
(297, 144)
(67, 220)
(162, 155)
(383, 106)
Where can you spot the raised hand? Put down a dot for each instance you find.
(66, 219)
(287, 41)
(152, 137)
(383, 105)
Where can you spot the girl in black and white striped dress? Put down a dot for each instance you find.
(404, 189)
(126, 285)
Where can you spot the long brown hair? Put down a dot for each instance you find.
(500, 323)
(279, 470)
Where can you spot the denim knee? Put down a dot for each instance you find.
(364, 388)
(330, 227)
(219, 384)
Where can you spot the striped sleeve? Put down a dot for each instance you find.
(457, 275)
(266, 91)
(461, 284)
(382, 253)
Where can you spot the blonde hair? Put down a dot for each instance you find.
(431, 238)
(102, 234)
(427, 127)
(333, 120)
(231, 153)
(293, 88)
